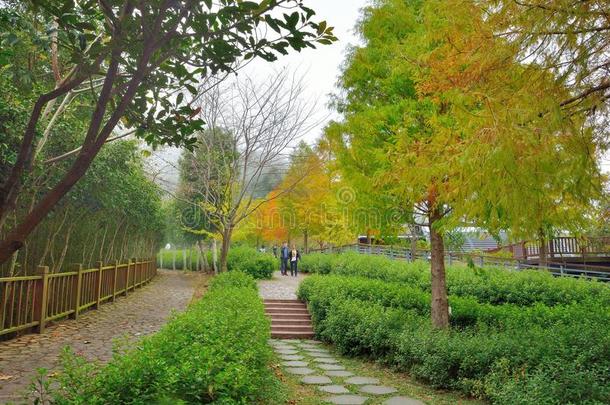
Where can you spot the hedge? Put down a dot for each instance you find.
(487, 285)
(559, 356)
(251, 261)
(215, 352)
(465, 311)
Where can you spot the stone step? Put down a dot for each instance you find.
(285, 305)
(292, 328)
(286, 311)
(280, 322)
(282, 316)
(284, 334)
(303, 308)
(271, 301)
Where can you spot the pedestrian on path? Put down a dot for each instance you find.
(295, 256)
(284, 255)
(274, 250)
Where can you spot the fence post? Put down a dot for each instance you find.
(135, 272)
(482, 261)
(43, 271)
(450, 261)
(114, 279)
(161, 257)
(98, 294)
(79, 287)
(127, 275)
(561, 269)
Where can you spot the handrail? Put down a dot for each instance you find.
(32, 301)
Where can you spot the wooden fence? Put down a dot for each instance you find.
(33, 301)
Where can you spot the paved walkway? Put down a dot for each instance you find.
(316, 365)
(140, 313)
(280, 287)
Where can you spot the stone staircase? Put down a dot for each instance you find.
(290, 319)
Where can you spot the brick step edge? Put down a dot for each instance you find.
(289, 316)
(292, 335)
(279, 322)
(283, 301)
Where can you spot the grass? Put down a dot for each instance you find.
(296, 393)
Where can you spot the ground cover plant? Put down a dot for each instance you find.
(215, 352)
(547, 347)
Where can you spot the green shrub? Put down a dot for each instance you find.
(215, 352)
(505, 353)
(251, 261)
(487, 285)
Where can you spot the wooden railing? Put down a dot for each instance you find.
(559, 247)
(33, 301)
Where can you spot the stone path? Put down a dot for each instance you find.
(280, 287)
(318, 367)
(140, 313)
(315, 365)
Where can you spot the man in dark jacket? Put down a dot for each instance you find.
(284, 256)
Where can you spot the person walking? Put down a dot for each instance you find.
(284, 255)
(274, 248)
(295, 256)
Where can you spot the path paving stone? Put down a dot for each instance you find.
(334, 389)
(326, 360)
(315, 351)
(320, 355)
(362, 380)
(402, 401)
(315, 342)
(299, 370)
(286, 351)
(140, 313)
(316, 379)
(346, 399)
(295, 363)
(291, 357)
(339, 373)
(280, 287)
(377, 389)
(330, 366)
(284, 347)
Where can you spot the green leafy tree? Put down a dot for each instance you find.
(460, 134)
(141, 59)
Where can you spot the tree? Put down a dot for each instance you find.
(137, 56)
(251, 126)
(567, 38)
(463, 136)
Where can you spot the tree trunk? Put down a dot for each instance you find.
(368, 237)
(440, 305)
(543, 254)
(214, 256)
(224, 251)
(305, 241)
(413, 242)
